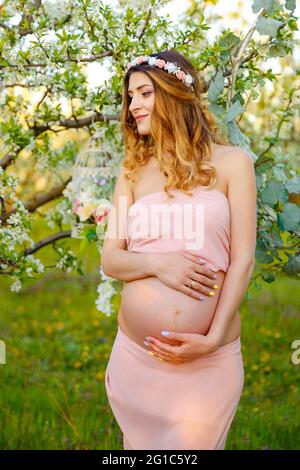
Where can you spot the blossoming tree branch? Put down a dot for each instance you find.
(51, 109)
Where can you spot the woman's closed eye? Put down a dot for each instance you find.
(145, 93)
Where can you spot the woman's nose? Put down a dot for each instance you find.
(135, 103)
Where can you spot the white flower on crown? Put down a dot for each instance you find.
(152, 60)
(170, 67)
(189, 79)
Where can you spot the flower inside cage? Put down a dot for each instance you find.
(91, 188)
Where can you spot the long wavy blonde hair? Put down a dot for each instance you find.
(182, 128)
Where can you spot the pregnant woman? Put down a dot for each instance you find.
(181, 235)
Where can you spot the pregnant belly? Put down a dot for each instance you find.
(148, 307)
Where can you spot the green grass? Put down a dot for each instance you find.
(58, 344)
(269, 414)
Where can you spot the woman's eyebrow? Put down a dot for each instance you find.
(139, 87)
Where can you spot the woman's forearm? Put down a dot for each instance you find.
(128, 265)
(233, 290)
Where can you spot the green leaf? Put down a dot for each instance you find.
(3, 62)
(257, 285)
(273, 237)
(276, 237)
(273, 192)
(234, 111)
(259, 4)
(91, 234)
(293, 185)
(292, 267)
(261, 251)
(248, 295)
(279, 173)
(263, 257)
(60, 36)
(293, 24)
(289, 218)
(216, 109)
(290, 4)
(216, 87)
(267, 276)
(235, 134)
(229, 41)
(268, 26)
(271, 6)
(259, 180)
(276, 50)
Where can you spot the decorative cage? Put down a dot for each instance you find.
(92, 187)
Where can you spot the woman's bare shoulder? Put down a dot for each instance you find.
(227, 154)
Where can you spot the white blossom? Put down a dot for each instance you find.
(16, 286)
(105, 290)
(36, 263)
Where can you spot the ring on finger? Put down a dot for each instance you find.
(191, 284)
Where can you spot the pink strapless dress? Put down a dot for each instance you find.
(200, 223)
(159, 405)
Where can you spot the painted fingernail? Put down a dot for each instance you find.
(165, 333)
(216, 286)
(214, 276)
(146, 343)
(201, 298)
(211, 293)
(151, 353)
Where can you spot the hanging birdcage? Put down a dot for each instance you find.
(92, 182)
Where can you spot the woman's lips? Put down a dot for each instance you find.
(142, 117)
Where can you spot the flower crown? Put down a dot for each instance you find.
(170, 67)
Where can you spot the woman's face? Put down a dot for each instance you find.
(141, 97)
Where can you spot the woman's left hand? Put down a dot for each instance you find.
(194, 345)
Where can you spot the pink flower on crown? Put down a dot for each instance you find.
(160, 63)
(140, 59)
(180, 75)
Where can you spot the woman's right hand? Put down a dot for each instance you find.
(177, 269)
